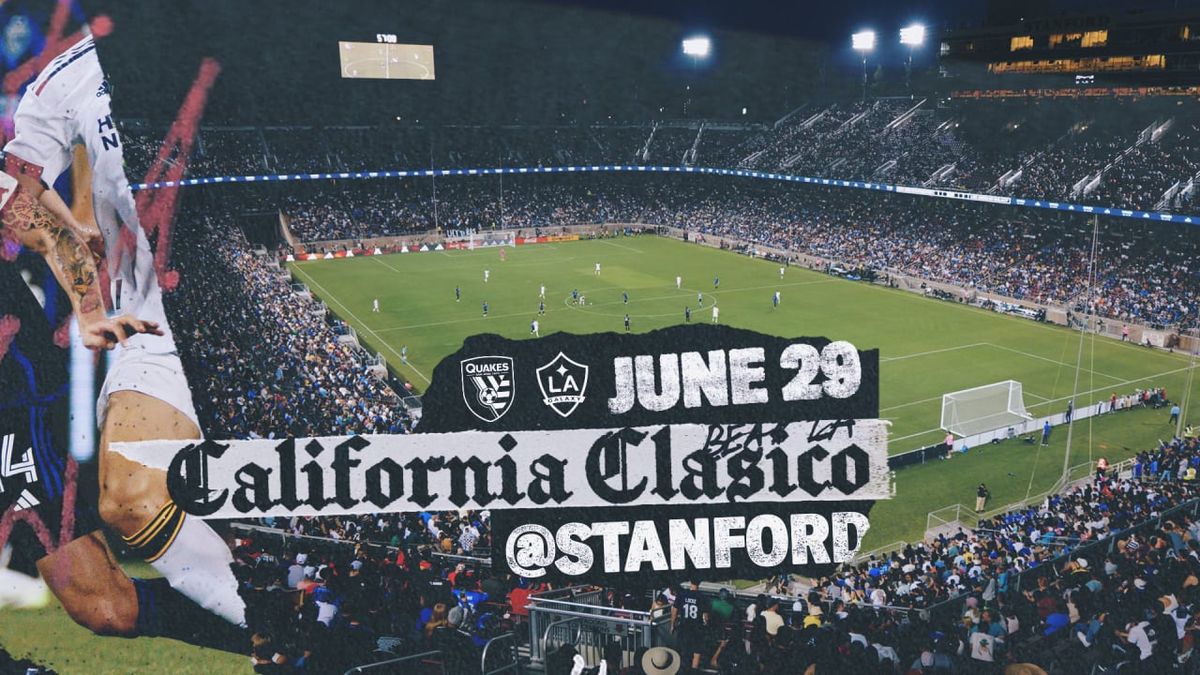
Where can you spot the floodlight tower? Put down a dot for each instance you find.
(913, 36)
(863, 42)
(697, 48)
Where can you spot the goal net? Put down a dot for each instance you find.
(982, 409)
(472, 239)
(494, 238)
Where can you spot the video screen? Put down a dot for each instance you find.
(384, 61)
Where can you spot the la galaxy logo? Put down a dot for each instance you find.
(488, 388)
(562, 382)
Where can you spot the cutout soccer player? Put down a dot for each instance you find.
(81, 572)
(145, 395)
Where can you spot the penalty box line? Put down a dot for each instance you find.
(1067, 398)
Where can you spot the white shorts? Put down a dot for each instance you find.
(157, 375)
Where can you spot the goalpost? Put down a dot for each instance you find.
(471, 239)
(491, 239)
(982, 409)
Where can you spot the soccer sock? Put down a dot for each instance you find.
(193, 558)
(165, 612)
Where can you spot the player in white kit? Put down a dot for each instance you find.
(716, 313)
(678, 282)
(145, 395)
(597, 269)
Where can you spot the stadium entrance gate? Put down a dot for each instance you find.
(576, 616)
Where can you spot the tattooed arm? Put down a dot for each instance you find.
(24, 219)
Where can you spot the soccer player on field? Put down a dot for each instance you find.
(625, 297)
(780, 272)
(76, 563)
(775, 300)
(700, 299)
(716, 312)
(486, 274)
(542, 292)
(485, 308)
(687, 314)
(375, 305)
(597, 269)
(145, 395)
(626, 323)
(457, 294)
(678, 282)
(541, 307)
(716, 283)
(534, 328)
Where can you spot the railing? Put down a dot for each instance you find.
(424, 658)
(503, 661)
(593, 624)
(284, 536)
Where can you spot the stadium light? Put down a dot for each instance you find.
(697, 47)
(913, 35)
(863, 41)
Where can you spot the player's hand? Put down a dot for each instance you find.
(108, 333)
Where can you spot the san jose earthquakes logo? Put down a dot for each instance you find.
(563, 382)
(488, 387)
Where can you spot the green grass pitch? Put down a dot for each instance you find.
(928, 347)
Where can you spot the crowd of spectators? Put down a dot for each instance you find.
(262, 360)
(1071, 144)
(1142, 177)
(320, 605)
(1106, 575)
(1033, 257)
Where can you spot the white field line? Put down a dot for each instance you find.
(331, 298)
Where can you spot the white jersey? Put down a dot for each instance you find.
(678, 282)
(69, 103)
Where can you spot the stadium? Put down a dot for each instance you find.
(1002, 203)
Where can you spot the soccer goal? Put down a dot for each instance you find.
(982, 409)
(488, 239)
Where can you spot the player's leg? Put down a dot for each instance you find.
(91, 586)
(95, 592)
(135, 503)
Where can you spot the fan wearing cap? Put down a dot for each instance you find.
(295, 571)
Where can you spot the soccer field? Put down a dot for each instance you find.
(927, 347)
